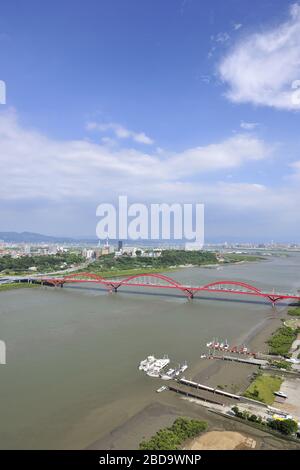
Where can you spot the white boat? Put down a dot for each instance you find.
(157, 366)
(183, 367)
(293, 360)
(280, 394)
(203, 356)
(162, 389)
(147, 363)
(168, 375)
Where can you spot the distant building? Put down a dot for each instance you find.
(120, 245)
(105, 250)
(27, 249)
(132, 251)
(89, 254)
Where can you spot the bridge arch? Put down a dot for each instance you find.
(245, 285)
(84, 275)
(170, 283)
(138, 280)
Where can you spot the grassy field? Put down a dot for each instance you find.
(237, 257)
(262, 388)
(17, 285)
(128, 272)
(294, 311)
(281, 341)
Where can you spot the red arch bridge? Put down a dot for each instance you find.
(160, 281)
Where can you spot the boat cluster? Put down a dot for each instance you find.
(155, 368)
(224, 346)
(174, 373)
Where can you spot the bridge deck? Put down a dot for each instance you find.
(160, 281)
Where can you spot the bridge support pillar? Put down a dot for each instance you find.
(112, 289)
(274, 300)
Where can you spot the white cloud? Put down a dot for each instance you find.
(54, 186)
(261, 68)
(34, 166)
(296, 168)
(218, 40)
(237, 26)
(120, 132)
(65, 180)
(229, 153)
(222, 37)
(205, 79)
(248, 126)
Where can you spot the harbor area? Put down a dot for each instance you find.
(270, 398)
(177, 399)
(156, 368)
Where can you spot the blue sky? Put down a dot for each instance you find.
(165, 101)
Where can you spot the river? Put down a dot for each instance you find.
(73, 353)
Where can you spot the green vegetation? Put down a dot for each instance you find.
(282, 365)
(126, 272)
(17, 285)
(294, 311)
(122, 265)
(246, 415)
(281, 341)
(262, 388)
(9, 265)
(238, 257)
(173, 437)
(284, 426)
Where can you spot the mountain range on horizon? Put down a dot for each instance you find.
(32, 237)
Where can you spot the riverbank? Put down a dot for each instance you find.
(235, 377)
(162, 414)
(113, 273)
(17, 285)
(232, 377)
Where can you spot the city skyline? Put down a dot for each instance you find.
(171, 101)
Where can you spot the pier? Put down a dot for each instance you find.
(189, 394)
(251, 361)
(196, 385)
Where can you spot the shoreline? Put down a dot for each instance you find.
(235, 377)
(137, 271)
(162, 411)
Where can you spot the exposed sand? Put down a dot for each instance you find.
(232, 376)
(222, 440)
(155, 416)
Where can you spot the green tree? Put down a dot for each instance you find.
(285, 426)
